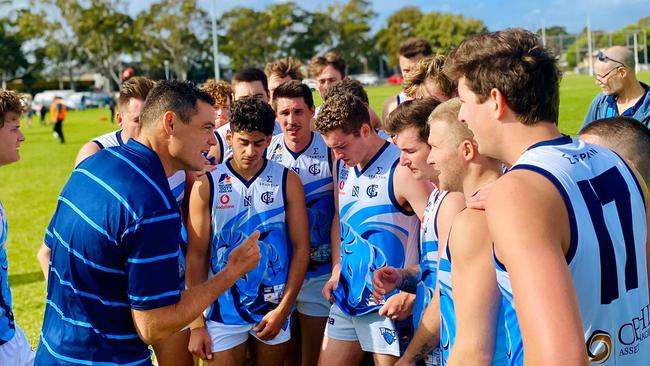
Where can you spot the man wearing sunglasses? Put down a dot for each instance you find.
(623, 94)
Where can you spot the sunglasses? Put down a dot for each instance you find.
(603, 57)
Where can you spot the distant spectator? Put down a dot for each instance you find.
(281, 71)
(623, 94)
(625, 136)
(426, 79)
(57, 114)
(43, 111)
(221, 91)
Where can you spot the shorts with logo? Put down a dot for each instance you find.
(17, 351)
(310, 300)
(375, 333)
(227, 336)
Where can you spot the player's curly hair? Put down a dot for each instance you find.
(349, 86)
(10, 101)
(344, 111)
(220, 90)
(250, 115)
(514, 62)
(429, 68)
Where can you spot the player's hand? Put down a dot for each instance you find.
(331, 285)
(478, 200)
(200, 343)
(246, 256)
(398, 306)
(385, 280)
(270, 325)
(405, 361)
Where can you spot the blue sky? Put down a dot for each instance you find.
(607, 15)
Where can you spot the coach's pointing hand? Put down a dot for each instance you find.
(245, 257)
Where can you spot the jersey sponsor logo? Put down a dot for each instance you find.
(634, 332)
(314, 169)
(389, 335)
(269, 179)
(296, 169)
(225, 183)
(330, 320)
(355, 191)
(599, 346)
(371, 191)
(224, 200)
(576, 158)
(247, 201)
(380, 170)
(267, 197)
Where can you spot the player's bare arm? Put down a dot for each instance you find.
(476, 295)
(535, 259)
(87, 150)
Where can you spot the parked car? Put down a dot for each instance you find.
(395, 79)
(76, 100)
(47, 97)
(366, 79)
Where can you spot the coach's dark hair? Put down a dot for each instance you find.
(251, 115)
(627, 137)
(293, 89)
(10, 101)
(413, 47)
(180, 97)
(514, 62)
(345, 111)
(412, 113)
(249, 75)
(349, 86)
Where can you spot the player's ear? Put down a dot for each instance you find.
(168, 122)
(229, 137)
(469, 150)
(499, 101)
(119, 119)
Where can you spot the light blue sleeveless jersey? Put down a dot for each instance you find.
(375, 230)
(239, 207)
(448, 316)
(606, 255)
(7, 325)
(314, 167)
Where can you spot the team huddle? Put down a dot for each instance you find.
(239, 224)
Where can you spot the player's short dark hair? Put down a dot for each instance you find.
(349, 86)
(251, 115)
(137, 87)
(318, 63)
(10, 101)
(412, 113)
(514, 62)
(413, 47)
(293, 89)
(180, 97)
(249, 75)
(627, 137)
(345, 111)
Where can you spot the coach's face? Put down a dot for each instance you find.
(10, 138)
(190, 142)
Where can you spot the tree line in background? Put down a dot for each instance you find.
(59, 39)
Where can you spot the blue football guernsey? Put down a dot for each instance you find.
(7, 325)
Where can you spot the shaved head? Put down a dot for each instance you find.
(621, 54)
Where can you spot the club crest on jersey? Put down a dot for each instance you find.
(389, 335)
(314, 169)
(267, 197)
(371, 191)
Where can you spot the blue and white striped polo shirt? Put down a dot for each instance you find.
(115, 244)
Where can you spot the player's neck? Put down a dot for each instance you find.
(299, 143)
(520, 137)
(247, 172)
(374, 143)
(479, 175)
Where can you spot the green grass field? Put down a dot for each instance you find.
(28, 189)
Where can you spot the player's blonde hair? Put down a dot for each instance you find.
(429, 68)
(447, 113)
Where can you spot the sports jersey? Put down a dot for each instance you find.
(401, 97)
(606, 255)
(375, 230)
(428, 251)
(239, 207)
(110, 139)
(313, 166)
(225, 149)
(114, 241)
(448, 316)
(7, 325)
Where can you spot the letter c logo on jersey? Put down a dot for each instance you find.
(372, 190)
(224, 199)
(267, 197)
(599, 346)
(314, 169)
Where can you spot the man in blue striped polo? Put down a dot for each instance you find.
(113, 284)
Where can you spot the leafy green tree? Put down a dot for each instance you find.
(399, 27)
(351, 37)
(445, 31)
